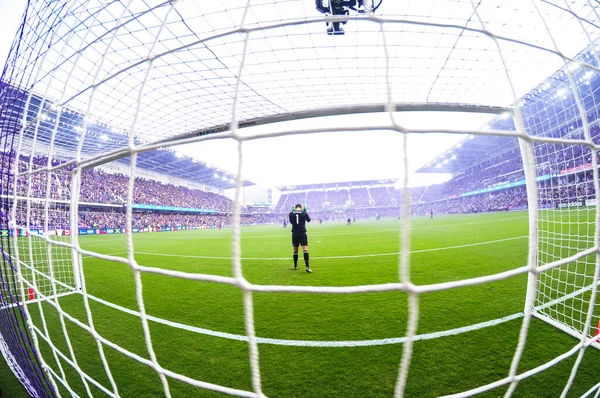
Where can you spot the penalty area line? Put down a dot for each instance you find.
(336, 257)
(246, 235)
(314, 343)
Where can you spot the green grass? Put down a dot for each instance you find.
(439, 366)
(9, 384)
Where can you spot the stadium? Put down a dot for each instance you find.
(153, 154)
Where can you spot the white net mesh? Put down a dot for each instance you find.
(93, 89)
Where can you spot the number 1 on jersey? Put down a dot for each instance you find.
(297, 219)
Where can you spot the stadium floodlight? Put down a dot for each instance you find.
(573, 67)
(173, 73)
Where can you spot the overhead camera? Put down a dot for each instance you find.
(344, 7)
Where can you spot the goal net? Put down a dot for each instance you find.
(96, 95)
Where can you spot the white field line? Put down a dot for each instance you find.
(313, 343)
(336, 257)
(160, 235)
(349, 343)
(317, 343)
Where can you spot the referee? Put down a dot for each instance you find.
(298, 218)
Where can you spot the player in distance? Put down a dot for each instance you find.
(298, 219)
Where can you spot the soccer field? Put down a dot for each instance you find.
(321, 345)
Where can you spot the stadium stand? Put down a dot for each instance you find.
(338, 198)
(481, 187)
(292, 199)
(106, 188)
(381, 196)
(316, 199)
(359, 197)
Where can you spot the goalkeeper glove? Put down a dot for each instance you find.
(304, 208)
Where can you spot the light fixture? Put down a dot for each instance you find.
(573, 66)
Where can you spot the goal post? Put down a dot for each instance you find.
(90, 84)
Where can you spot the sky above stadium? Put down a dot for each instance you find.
(340, 156)
(10, 17)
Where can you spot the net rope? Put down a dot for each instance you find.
(52, 266)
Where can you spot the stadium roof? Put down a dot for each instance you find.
(334, 185)
(468, 153)
(553, 96)
(268, 59)
(102, 139)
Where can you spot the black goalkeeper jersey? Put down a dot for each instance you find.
(298, 219)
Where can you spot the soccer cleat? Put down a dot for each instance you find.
(308, 270)
(295, 268)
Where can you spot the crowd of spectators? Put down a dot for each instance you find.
(289, 199)
(504, 200)
(96, 219)
(106, 188)
(101, 187)
(381, 196)
(338, 198)
(314, 199)
(359, 197)
(566, 172)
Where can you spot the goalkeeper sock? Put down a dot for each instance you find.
(306, 258)
(295, 260)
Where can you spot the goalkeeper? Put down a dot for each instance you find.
(298, 219)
